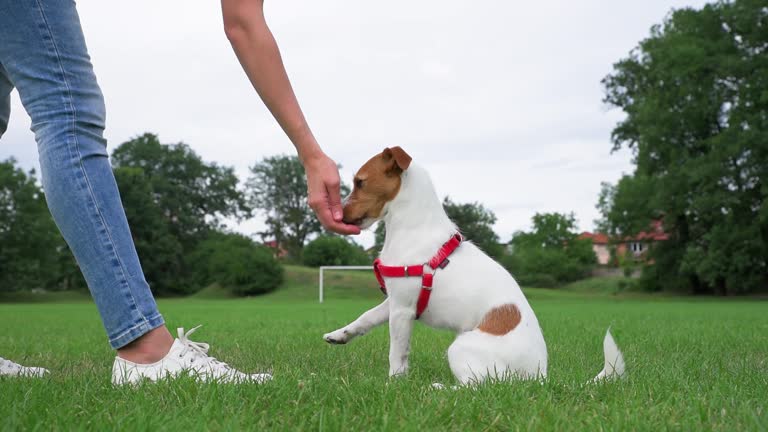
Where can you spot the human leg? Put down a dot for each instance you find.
(43, 51)
(44, 54)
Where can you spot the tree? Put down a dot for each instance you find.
(236, 263)
(626, 208)
(333, 250)
(278, 187)
(379, 236)
(474, 221)
(550, 230)
(173, 201)
(551, 253)
(33, 252)
(194, 196)
(161, 252)
(694, 97)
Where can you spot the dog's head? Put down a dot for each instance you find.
(376, 183)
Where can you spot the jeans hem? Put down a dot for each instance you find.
(137, 331)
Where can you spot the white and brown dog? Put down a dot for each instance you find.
(453, 284)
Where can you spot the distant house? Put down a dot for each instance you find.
(636, 245)
(599, 246)
(277, 250)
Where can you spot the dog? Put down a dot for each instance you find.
(458, 286)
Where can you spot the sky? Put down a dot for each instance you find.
(501, 101)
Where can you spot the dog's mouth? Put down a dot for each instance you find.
(357, 222)
(363, 222)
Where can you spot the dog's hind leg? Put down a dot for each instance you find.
(469, 359)
(368, 320)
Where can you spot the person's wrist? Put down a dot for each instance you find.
(306, 146)
(310, 153)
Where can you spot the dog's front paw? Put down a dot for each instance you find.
(338, 337)
(398, 372)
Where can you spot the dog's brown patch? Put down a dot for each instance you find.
(376, 183)
(500, 320)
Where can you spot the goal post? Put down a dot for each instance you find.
(324, 268)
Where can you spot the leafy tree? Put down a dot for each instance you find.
(333, 250)
(694, 97)
(161, 252)
(173, 200)
(32, 251)
(278, 187)
(474, 221)
(550, 230)
(236, 263)
(551, 253)
(194, 196)
(626, 208)
(379, 236)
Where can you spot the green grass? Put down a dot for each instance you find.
(693, 365)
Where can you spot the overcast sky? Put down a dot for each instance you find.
(500, 100)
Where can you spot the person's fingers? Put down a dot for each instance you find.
(323, 212)
(334, 201)
(338, 227)
(342, 228)
(324, 197)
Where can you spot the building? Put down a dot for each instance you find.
(635, 246)
(599, 246)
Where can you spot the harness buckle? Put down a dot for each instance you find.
(426, 278)
(406, 272)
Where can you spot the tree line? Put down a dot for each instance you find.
(177, 206)
(694, 94)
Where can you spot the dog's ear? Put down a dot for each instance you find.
(400, 160)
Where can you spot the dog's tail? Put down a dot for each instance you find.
(614, 360)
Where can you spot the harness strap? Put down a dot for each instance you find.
(439, 260)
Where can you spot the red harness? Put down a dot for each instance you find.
(440, 260)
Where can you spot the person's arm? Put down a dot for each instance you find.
(255, 47)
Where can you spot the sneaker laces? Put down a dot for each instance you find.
(199, 350)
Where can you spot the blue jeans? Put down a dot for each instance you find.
(43, 55)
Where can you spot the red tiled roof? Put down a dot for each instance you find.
(656, 233)
(597, 238)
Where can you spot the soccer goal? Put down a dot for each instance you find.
(324, 268)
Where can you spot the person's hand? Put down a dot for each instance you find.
(324, 194)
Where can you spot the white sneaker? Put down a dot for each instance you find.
(9, 368)
(185, 356)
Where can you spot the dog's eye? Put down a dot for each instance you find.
(358, 183)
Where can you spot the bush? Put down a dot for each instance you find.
(537, 280)
(333, 250)
(236, 263)
(627, 284)
(547, 267)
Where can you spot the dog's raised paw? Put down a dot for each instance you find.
(337, 337)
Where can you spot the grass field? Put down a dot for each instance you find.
(693, 365)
